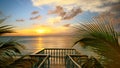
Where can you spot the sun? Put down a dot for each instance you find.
(40, 31)
(43, 31)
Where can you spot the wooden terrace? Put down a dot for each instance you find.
(59, 58)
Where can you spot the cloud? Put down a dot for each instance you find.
(110, 17)
(74, 12)
(36, 18)
(65, 14)
(35, 12)
(54, 20)
(20, 20)
(56, 2)
(59, 10)
(85, 5)
(67, 25)
(115, 9)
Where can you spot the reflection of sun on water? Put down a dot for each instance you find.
(40, 44)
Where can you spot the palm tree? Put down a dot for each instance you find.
(5, 28)
(102, 37)
(9, 49)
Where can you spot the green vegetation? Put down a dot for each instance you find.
(5, 28)
(100, 35)
(92, 63)
(9, 49)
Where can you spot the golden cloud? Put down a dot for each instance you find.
(85, 5)
(59, 10)
(56, 2)
(66, 15)
(74, 12)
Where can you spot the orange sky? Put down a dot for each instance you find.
(42, 30)
(51, 17)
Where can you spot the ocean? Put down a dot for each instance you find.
(36, 43)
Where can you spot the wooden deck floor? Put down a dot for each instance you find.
(57, 63)
(57, 56)
(57, 66)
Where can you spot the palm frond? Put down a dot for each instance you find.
(100, 34)
(9, 49)
(8, 52)
(92, 63)
(13, 45)
(5, 28)
(6, 57)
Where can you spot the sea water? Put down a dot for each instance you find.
(36, 43)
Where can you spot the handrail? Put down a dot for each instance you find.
(70, 60)
(45, 50)
(39, 52)
(57, 55)
(61, 48)
(80, 59)
(36, 52)
(37, 60)
(47, 56)
(68, 56)
(42, 63)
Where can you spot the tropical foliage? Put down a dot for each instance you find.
(24, 62)
(92, 63)
(101, 36)
(9, 49)
(5, 28)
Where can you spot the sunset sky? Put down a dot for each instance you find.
(51, 17)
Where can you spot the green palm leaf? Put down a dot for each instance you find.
(6, 28)
(9, 49)
(101, 35)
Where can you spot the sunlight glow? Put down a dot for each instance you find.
(43, 31)
(40, 31)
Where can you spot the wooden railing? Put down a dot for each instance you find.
(70, 63)
(75, 61)
(57, 55)
(47, 57)
(31, 61)
(43, 61)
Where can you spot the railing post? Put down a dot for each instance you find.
(48, 62)
(57, 56)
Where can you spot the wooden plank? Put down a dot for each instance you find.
(57, 66)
